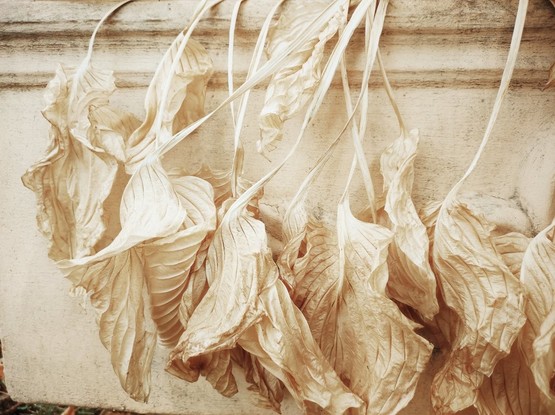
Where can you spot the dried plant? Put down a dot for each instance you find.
(336, 317)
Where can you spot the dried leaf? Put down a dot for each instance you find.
(413, 282)
(474, 281)
(169, 261)
(246, 304)
(221, 182)
(110, 130)
(301, 366)
(139, 221)
(294, 84)
(75, 178)
(544, 359)
(538, 279)
(119, 295)
(511, 389)
(115, 275)
(270, 389)
(511, 246)
(184, 77)
(369, 349)
(70, 410)
(486, 297)
(216, 367)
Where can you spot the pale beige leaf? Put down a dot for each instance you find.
(184, 102)
(74, 179)
(270, 390)
(511, 389)
(245, 304)
(216, 367)
(366, 248)
(114, 275)
(512, 246)
(428, 215)
(284, 346)
(150, 208)
(119, 295)
(543, 366)
(538, 278)
(413, 282)
(487, 298)
(221, 182)
(363, 334)
(293, 85)
(169, 261)
(474, 281)
(111, 128)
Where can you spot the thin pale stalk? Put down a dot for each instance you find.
(358, 136)
(230, 52)
(237, 166)
(323, 86)
(503, 88)
(87, 60)
(372, 50)
(391, 96)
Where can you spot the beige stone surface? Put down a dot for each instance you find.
(445, 60)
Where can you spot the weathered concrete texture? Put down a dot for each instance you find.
(445, 60)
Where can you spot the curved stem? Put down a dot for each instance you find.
(86, 61)
(238, 157)
(503, 88)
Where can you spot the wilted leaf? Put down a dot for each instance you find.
(119, 295)
(369, 349)
(412, 280)
(474, 281)
(115, 275)
(246, 304)
(169, 261)
(486, 297)
(511, 246)
(511, 389)
(185, 84)
(110, 129)
(301, 366)
(544, 359)
(293, 85)
(216, 367)
(221, 182)
(270, 389)
(74, 179)
(538, 279)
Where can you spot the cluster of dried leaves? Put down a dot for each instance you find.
(333, 319)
